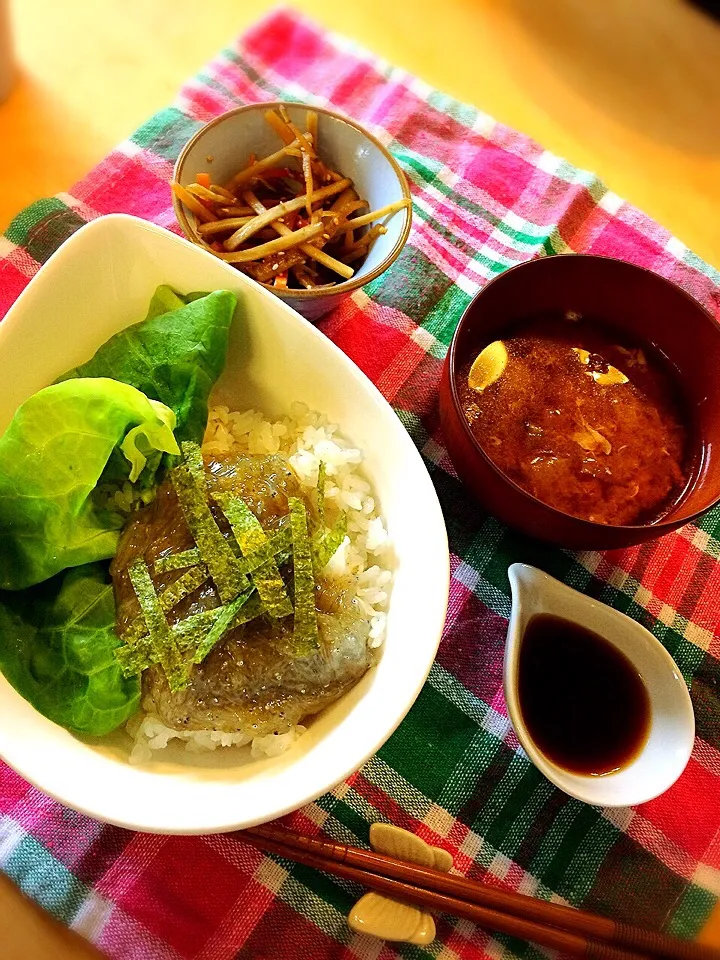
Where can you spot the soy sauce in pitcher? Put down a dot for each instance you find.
(583, 702)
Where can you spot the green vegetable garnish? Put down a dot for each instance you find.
(189, 481)
(174, 355)
(187, 631)
(325, 542)
(62, 443)
(325, 548)
(322, 470)
(149, 435)
(138, 656)
(305, 631)
(195, 636)
(276, 546)
(58, 646)
(251, 537)
(178, 561)
(182, 587)
(164, 300)
(165, 647)
(77, 458)
(170, 596)
(221, 626)
(250, 611)
(132, 660)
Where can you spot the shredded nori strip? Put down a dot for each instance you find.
(194, 636)
(165, 648)
(275, 547)
(136, 654)
(183, 587)
(222, 624)
(323, 549)
(250, 611)
(150, 639)
(322, 471)
(189, 481)
(251, 537)
(136, 658)
(187, 631)
(178, 561)
(170, 596)
(305, 631)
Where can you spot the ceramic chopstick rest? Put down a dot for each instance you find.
(379, 916)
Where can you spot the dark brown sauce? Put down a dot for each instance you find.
(583, 702)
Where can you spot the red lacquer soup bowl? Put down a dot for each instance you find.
(648, 309)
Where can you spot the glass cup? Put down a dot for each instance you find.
(7, 65)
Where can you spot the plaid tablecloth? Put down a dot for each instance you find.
(485, 197)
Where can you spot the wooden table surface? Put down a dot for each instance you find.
(627, 88)
(630, 90)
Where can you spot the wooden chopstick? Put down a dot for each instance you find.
(552, 925)
(549, 937)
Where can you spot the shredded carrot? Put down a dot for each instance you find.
(292, 220)
(203, 179)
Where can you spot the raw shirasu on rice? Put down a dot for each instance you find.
(253, 687)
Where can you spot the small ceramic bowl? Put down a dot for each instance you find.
(223, 145)
(629, 298)
(672, 722)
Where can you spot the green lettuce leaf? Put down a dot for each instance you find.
(62, 443)
(164, 300)
(174, 355)
(71, 459)
(57, 643)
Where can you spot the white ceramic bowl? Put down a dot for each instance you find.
(672, 722)
(222, 147)
(100, 281)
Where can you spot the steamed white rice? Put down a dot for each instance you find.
(307, 439)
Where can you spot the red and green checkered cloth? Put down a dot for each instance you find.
(485, 197)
